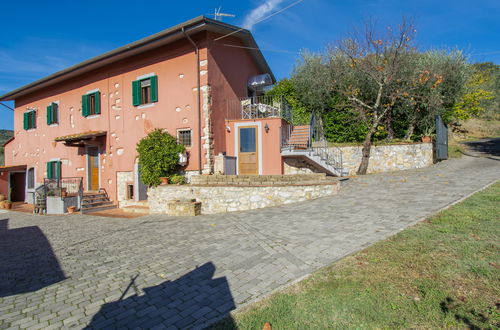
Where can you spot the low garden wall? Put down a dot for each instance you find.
(385, 158)
(227, 193)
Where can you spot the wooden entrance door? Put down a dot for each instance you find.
(248, 153)
(93, 168)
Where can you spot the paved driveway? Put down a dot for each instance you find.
(77, 271)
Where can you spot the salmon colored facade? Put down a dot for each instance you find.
(193, 89)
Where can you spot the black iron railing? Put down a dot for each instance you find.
(62, 187)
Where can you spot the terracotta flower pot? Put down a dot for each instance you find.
(71, 209)
(164, 180)
(2, 204)
(64, 192)
(7, 204)
(2, 197)
(427, 139)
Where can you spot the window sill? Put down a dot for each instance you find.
(145, 106)
(31, 129)
(93, 116)
(53, 125)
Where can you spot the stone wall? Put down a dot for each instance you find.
(385, 158)
(122, 179)
(240, 193)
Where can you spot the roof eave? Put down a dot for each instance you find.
(169, 35)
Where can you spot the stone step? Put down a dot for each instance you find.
(98, 203)
(98, 208)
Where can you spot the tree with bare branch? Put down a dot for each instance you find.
(369, 69)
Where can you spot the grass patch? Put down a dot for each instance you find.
(442, 272)
(455, 150)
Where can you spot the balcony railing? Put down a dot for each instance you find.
(267, 106)
(70, 186)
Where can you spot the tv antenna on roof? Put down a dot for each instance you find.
(218, 15)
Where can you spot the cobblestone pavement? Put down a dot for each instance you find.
(77, 271)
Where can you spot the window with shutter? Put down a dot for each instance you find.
(91, 104)
(29, 120)
(52, 114)
(145, 91)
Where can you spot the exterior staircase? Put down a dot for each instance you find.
(96, 201)
(307, 143)
(299, 137)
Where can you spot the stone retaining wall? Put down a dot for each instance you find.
(385, 158)
(241, 195)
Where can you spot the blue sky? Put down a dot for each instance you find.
(41, 37)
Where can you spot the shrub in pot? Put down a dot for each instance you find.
(158, 156)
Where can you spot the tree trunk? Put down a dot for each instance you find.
(390, 129)
(411, 128)
(367, 146)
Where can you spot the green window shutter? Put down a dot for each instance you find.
(49, 115)
(85, 105)
(97, 102)
(154, 89)
(33, 119)
(25, 121)
(136, 93)
(55, 115)
(49, 170)
(58, 170)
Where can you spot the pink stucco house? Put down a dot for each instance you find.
(201, 80)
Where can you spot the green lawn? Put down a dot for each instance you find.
(443, 272)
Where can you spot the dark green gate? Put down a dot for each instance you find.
(441, 139)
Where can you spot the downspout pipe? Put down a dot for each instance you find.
(197, 52)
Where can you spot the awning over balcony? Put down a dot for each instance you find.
(81, 139)
(13, 168)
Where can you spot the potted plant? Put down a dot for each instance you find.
(64, 192)
(177, 179)
(2, 197)
(71, 209)
(8, 203)
(158, 157)
(427, 134)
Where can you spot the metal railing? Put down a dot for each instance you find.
(60, 187)
(266, 106)
(316, 145)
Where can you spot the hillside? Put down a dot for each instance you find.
(5, 135)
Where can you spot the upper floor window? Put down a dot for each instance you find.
(29, 119)
(31, 178)
(184, 137)
(54, 169)
(145, 91)
(91, 104)
(53, 113)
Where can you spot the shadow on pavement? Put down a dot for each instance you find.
(27, 261)
(485, 146)
(185, 303)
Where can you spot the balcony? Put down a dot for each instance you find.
(267, 106)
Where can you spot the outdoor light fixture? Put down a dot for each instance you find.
(228, 129)
(266, 128)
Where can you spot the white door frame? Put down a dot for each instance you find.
(257, 124)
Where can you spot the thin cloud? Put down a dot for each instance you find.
(260, 12)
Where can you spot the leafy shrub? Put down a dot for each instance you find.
(177, 179)
(158, 156)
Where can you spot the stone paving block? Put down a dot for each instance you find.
(251, 252)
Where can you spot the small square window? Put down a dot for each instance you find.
(184, 137)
